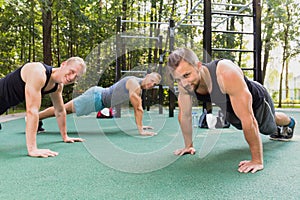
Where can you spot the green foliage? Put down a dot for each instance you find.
(87, 29)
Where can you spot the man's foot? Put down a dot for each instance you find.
(40, 128)
(284, 133)
(0, 127)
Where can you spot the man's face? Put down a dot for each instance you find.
(187, 75)
(71, 72)
(151, 81)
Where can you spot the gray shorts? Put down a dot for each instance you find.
(264, 115)
(90, 101)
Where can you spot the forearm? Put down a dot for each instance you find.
(253, 139)
(139, 119)
(61, 121)
(31, 128)
(187, 131)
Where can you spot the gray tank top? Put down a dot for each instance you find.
(117, 93)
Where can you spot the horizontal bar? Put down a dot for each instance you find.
(230, 14)
(128, 71)
(194, 20)
(232, 32)
(232, 5)
(234, 50)
(143, 22)
(201, 25)
(139, 37)
(197, 15)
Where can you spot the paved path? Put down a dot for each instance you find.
(5, 118)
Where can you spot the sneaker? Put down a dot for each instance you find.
(40, 128)
(284, 133)
(0, 127)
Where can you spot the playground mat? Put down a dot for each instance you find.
(115, 163)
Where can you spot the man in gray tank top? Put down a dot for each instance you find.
(248, 105)
(96, 98)
(29, 83)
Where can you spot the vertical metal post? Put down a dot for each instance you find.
(118, 50)
(207, 49)
(171, 89)
(207, 42)
(161, 61)
(118, 60)
(257, 40)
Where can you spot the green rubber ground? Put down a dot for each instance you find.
(117, 165)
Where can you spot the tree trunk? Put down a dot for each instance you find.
(280, 82)
(47, 24)
(287, 46)
(267, 44)
(287, 88)
(123, 29)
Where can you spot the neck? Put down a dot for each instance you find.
(54, 75)
(204, 86)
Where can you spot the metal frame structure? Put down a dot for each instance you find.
(120, 53)
(221, 16)
(210, 21)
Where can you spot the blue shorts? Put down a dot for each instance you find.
(90, 101)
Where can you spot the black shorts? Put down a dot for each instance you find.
(264, 115)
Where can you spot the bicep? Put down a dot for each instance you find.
(34, 77)
(135, 100)
(32, 95)
(242, 105)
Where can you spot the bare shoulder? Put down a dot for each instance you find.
(33, 71)
(32, 67)
(132, 84)
(230, 77)
(227, 68)
(227, 65)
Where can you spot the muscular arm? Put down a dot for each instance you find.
(33, 74)
(59, 110)
(231, 80)
(135, 99)
(185, 121)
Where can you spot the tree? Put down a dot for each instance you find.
(268, 33)
(46, 6)
(289, 31)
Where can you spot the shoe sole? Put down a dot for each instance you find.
(280, 139)
(41, 131)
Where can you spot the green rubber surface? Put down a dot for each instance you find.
(78, 173)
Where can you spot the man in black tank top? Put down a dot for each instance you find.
(246, 103)
(29, 83)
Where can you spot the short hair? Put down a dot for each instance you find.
(156, 75)
(182, 54)
(78, 60)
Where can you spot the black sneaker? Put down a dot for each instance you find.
(284, 133)
(40, 128)
(0, 127)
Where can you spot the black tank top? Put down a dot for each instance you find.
(12, 87)
(223, 100)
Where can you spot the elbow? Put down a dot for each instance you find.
(139, 110)
(250, 124)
